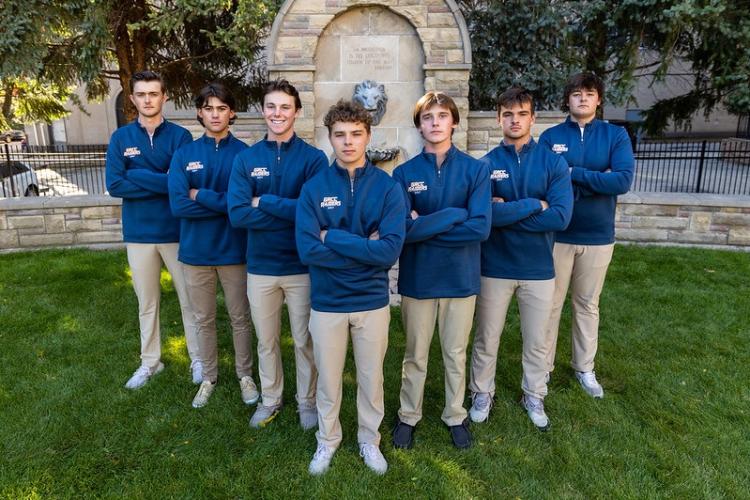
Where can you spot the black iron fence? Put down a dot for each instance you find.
(719, 166)
(59, 170)
(683, 166)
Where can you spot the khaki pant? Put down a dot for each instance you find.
(369, 332)
(266, 294)
(454, 317)
(534, 303)
(145, 260)
(584, 268)
(201, 288)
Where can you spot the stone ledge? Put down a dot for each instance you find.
(689, 199)
(44, 202)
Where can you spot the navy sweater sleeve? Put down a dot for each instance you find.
(312, 251)
(560, 200)
(507, 212)
(151, 181)
(239, 201)
(618, 179)
(118, 182)
(285, 208)
(381, 252)
(476, 227)
(179, 193)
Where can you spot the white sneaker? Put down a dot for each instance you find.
(535, 409)
(141, 376)
(196, 369)
(480, 407)
(589, 384)
(321, 460)
(374, 459)
(308, 416)
(248, 390)
(204, 392)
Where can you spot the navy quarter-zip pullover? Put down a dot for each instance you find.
(602, 166)
(441, 255)
(136, 171)
(349, 271)
(522, 236)
(206, 236)
(275, 173)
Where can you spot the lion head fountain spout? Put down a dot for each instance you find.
(371, 95)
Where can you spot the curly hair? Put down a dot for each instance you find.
(349, 112)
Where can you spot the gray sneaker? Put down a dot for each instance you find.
(204, 392)
(535, 409)
(142, 375)
(589, 384)
(196, 371)
(480, 406)
(264, 415)
(248, 390)
(373, 458)
(308, 416)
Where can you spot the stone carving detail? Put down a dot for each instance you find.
(371, 95)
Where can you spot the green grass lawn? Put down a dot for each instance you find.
(674, 362)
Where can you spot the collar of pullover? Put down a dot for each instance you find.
(432, 157)
(358, 173)
(156, 130)
(211, 141)
(572, 123)
(511, 148)
(283, 146)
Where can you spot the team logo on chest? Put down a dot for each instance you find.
(417, 187)
(499, 175)
(330, 202)
(131, 152)
(560, 148)
(193, 166)
(260, 172)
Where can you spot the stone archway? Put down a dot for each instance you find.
(440, 28)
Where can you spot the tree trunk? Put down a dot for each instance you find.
(8, 88)
(131, 53)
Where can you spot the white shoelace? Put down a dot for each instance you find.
(482, 401)
(323, 452)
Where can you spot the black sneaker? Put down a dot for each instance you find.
(461, 435)
(403, 435)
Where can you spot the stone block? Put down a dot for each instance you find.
(416, 14)
(99, 237)
(84, 225)
(353, 22)
(699, 222)
(54, 223)
(478, 136)
(3, 222)
(319, 21)
(328, 58)
(387, 22)
(642, 234)
(26, 221)
(309, 7)
(455, 56)
(105, 212)
(693, 237)
(439, 35)
(656, 222)
(410, 59)
(739, 236)
(8, 239)
(440, 20)
(731, 219)
(638, 209)
(45, 240)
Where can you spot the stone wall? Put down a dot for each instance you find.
(684, 219)
(656, 218)
(72, 221)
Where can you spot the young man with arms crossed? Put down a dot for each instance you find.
(531, 198)
(350, 230)
(266, 182)
(138, 158)
(601, 164)
(210, 248)
(448, 199)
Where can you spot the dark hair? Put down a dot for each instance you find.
(515, 95)
(285, 87)
(219, 91)
(348, 112)
(146, 76)
(435, 98)
(580, 81)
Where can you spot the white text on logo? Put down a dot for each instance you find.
(559, 148)
(131, 152)
(259, 172)
(330, 202)
(193, 166)
(416, 187)
(499, 175)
